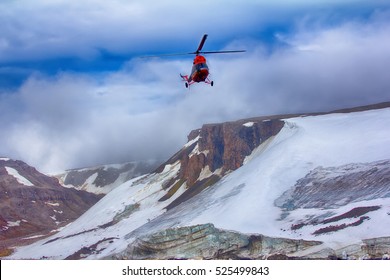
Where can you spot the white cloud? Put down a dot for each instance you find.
(46, 29)
(49, 29)
(144, 111)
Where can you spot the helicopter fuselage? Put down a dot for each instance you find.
(200, 70)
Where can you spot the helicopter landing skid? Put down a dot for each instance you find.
(188, 82)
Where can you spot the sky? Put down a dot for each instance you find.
(75, 92)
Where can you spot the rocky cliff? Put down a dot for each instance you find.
(33, 204)
(215, 150)
(207, 242)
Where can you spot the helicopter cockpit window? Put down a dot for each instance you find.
(201, 66)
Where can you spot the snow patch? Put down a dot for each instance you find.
(22, 180)
(52, 204)
(89, 186)
(33, 237)
(189, 143)
(14, 224)
(248, 124)
(205, 173)
(170, 167)
(4, 159)
(196, 151)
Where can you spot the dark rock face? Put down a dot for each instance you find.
(207, 242)
(229, 143)
(218, 149)
(32, 203)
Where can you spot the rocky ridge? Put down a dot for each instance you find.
(32, 204)
(105, 178)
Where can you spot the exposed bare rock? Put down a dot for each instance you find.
(377, 248)
(207, 242)
(226, 145)
(215, 150)
(369, 249)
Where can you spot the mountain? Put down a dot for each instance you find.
(102, 179)
(33, 205)
(281, 187)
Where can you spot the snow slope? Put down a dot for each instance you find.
(303, 144)
(243, 200)
(22, 180)
(102, 179)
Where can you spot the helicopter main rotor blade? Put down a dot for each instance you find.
(224, 51)
(201, 43)
(169, 54)
(190, 53)
(198, 51)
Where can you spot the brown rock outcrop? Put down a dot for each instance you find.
(219, 147)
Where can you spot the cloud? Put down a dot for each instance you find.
(38, 30)
(318, 69)
(83, 29)
(143, 111)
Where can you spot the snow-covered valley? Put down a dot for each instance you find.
(284, 189)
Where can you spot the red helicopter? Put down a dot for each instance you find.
(200, 70)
